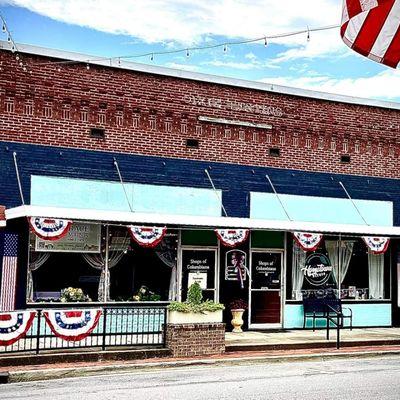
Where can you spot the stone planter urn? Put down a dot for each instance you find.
(237, 320)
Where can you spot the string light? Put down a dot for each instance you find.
(308, 34)
(265, 42)
(225, 47)
(187, 53)
(152, 57)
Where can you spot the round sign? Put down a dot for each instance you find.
(317, 269)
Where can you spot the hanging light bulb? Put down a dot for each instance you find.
(225, 47)
(87, 66)
(308, 34)
(265, 42)
(152, 57)
(119, 61)
(8, 38)
(187, 53)
(17, 57)
(12, 48)
(4, 28)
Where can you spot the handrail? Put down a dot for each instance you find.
(338, 322)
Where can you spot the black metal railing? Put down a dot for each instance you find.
(125, 326)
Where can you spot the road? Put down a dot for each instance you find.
(364, 379)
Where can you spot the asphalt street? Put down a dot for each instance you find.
(364, 379)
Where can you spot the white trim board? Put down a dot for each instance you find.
(199, 221)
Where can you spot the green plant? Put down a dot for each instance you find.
(71, 294)
(145, 294)
(194, 302)
(195, 294)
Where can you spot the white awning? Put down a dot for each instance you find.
(188, 221)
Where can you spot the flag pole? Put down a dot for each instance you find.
(352, 202)
(122, 184)
(277, 196)
(215, 191)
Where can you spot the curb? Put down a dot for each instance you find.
(71, 372)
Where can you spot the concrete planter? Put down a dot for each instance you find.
(176, 317)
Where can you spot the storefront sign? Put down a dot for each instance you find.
(235, 265)
(233, 105)
(266, 270)
(81, 238)
(317, 269)
(198, 277)
(198, 266)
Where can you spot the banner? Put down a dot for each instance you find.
(147, 236)
(232, 237)
(72, 325)
(308, 241)
(49, 228)
(14, 325)
(377, 245)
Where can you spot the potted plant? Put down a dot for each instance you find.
(237, 307)
(71, 294)
(145, 294)
(194, 310)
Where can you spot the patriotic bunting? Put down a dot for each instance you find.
(14, 325)
(8, 264)
(308, 241)
(147, 236)
(49, 228)
(372, 28)
(377, 245)
(72, 325)
(232, 237)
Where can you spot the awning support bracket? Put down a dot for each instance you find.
(215, 191)
(122, 184)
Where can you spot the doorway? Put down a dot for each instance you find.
(266, 286)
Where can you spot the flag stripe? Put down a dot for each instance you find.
(8, 272)
(392, 55)
(388, 31)
(354, 26)
(371, 28)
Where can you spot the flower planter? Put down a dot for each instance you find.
(177, 317)
(237, 320)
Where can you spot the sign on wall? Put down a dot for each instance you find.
(266, 270)
(81, 238)
(317, 269)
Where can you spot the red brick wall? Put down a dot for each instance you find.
(188, 340)
(154, 115)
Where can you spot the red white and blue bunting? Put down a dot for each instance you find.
(377, 245)
(49, 228)
(232, 237)
(14, 325)
(308, 241)
(72, 325)
(147, 236)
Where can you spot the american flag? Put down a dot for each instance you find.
(8, 271)
(372, 28)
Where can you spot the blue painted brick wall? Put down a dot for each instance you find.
(236, 181)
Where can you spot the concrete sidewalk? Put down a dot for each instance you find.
(78, 369)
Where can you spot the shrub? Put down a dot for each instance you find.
(194, 302)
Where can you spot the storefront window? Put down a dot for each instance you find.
(345, 267)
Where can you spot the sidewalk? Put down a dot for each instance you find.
(76, 369)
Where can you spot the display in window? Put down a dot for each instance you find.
(236, 266)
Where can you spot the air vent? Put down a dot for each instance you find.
(274, 152)
(97, 133)
(192, 143)
(345, 159)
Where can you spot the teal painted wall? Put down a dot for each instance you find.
(363, 315)
(320, 209)
(104, 195)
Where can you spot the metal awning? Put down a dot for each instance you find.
(189, 221)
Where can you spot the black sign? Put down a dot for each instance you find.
(317, 269)
(266, 270)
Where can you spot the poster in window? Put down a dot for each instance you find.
(235, 261)
(266, 270)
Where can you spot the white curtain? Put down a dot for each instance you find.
(299, 259)
(35, 262)
(98, 261)
(166, 252)
(339, 258)
(376, 275)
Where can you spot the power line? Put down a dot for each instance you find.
(187, 50)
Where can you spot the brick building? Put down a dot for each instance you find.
(69, 120)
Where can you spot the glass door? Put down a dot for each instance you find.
(265, 289)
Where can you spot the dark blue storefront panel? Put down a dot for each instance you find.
(235, 181)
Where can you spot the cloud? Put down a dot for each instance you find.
(384, 85)
(197, 21)
(253, 63)
(186, 67)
